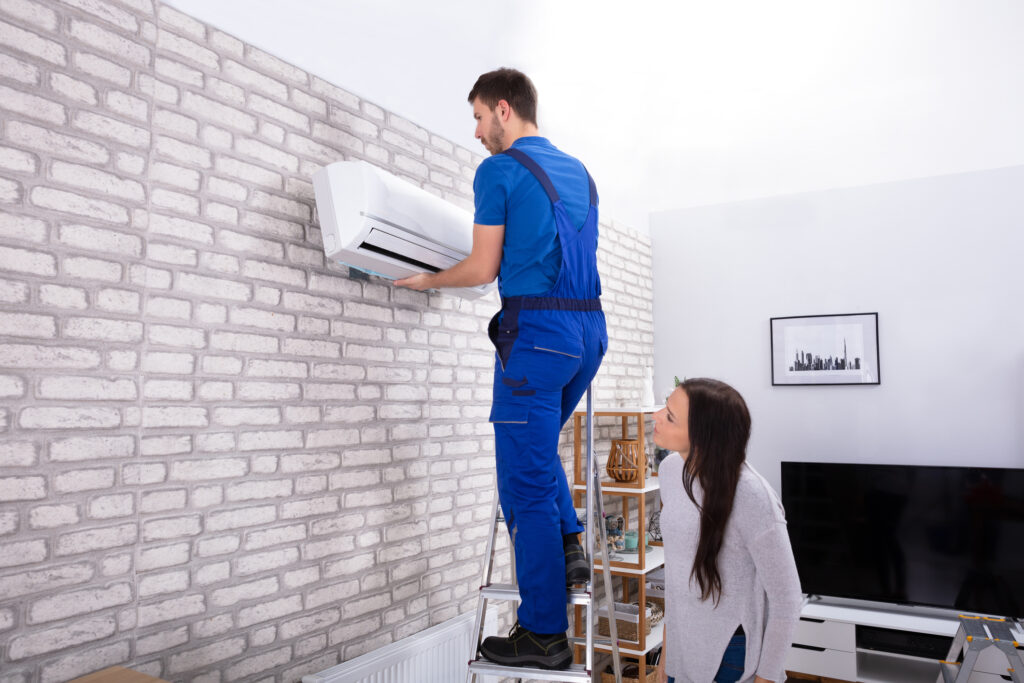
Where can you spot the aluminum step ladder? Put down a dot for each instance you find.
(975, 635)
(576, 673)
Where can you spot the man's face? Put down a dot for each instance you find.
(489, 130)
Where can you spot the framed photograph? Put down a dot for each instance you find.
(825, 349)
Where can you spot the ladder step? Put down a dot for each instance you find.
(507, 591)
(1000, 629)
(974, 627)
(574, 673)
(582, 642)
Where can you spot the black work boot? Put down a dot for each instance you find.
(577, 570)
(526, 648)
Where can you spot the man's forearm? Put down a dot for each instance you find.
(465, 273)
(479, 268)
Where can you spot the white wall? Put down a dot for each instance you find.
(939, 259)
(701, 102)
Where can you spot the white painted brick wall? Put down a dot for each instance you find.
(220, 457)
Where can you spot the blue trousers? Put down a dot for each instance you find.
(731, 667)
(539, 379)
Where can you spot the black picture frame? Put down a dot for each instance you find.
(825, 350)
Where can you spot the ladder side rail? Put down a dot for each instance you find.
(974, 649)
(594, 493)
(948, 672)
(593, 522)
(609, 591)
(957, 647)
(481, 601)
(1014, 658)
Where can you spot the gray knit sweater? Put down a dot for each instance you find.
(760, 586)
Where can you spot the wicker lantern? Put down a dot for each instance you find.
(625, 461)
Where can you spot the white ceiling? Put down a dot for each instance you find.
(686, 102)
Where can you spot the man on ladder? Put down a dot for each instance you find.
(536, 230)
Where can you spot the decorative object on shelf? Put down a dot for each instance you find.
(613, 527)
(825, 349)
(648, 389)
(631, 674)
(656, 588)
(625, 461)
(632, 541)
(654, 525)
(627, 619)
(655, 611)
(657, 456)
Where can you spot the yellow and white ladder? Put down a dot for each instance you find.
(975, 635)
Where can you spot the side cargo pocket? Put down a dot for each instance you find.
(503, 412)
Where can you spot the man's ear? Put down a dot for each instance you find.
(503, 110)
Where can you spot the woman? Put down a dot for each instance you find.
(732, 594)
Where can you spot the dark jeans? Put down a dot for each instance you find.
(731, 668)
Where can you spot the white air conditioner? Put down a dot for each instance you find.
(376, 222)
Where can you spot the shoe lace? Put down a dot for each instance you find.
(514, 631)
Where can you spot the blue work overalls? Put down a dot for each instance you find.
(549, 348)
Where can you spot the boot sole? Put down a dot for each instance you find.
(577, 571)
(559, 661)
(581, 577)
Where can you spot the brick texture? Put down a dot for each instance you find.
(222, 458)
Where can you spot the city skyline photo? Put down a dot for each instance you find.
(826, 349)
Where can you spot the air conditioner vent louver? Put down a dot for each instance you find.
(405, 250)
(398, 257)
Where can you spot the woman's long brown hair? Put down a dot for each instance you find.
(719, 425)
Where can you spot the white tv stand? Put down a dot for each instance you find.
(845, 639)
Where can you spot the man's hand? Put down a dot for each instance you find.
(419, 281)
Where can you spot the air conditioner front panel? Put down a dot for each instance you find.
(423, 214)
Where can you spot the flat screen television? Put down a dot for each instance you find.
(942, 536)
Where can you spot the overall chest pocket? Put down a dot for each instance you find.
(544, 362)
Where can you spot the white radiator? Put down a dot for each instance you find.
(436, 655)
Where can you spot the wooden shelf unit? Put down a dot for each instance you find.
(625, 414)
(623, 565)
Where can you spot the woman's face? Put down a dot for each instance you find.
(671, 423)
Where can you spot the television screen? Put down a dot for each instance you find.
(943, 536)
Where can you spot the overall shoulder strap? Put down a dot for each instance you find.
(534, 168)
(593, 187)
(539, 173)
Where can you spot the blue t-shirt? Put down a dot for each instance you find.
(506, 193)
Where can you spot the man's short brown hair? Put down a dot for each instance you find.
(510, 85)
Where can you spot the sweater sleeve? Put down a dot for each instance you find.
(776, 571)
